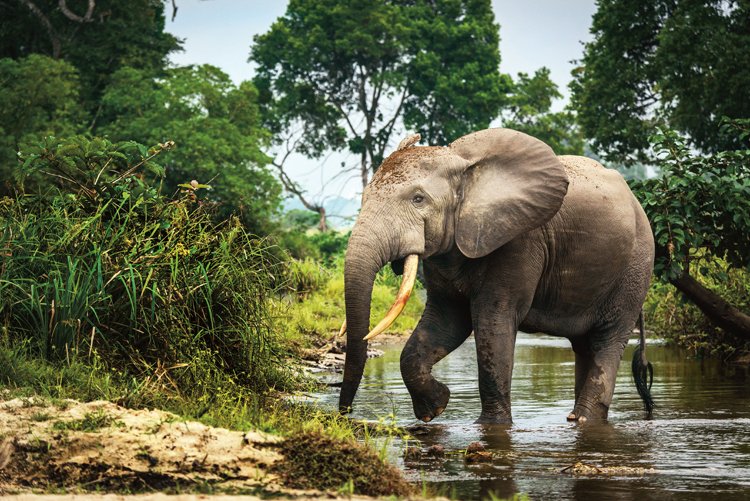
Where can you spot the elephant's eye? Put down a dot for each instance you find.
(417, 199)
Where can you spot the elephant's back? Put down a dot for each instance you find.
(594, 190)
(593, 237)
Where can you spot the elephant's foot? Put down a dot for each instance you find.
(431, 403)
(582, 413)
(581, 419)
(493, 419)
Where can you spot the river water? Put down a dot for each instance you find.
(697, 446)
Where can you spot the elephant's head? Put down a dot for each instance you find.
(479, 193)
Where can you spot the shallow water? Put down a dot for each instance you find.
(698, 442)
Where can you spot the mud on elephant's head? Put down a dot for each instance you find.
(477, 194)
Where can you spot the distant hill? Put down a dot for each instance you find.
(341, 211)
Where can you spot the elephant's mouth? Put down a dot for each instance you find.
(410, 266)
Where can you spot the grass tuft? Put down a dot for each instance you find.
(91, 422)
(315, 460)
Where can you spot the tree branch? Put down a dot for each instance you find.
(721, 313)
(87, 18)
(47, 26)
(296, 190)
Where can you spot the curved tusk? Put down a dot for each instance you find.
(342, 331)
(407, 284)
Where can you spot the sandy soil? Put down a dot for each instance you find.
(73, 447)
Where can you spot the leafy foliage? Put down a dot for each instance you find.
(117, 34)
(107, 267)
(700, 214)
(329, 66)
(40, 96)
(453, 84)
(700, 206)
(216, 127)
(528, 110)
(644, 69)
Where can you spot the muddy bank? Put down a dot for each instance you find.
(329, 355)
(69, 446)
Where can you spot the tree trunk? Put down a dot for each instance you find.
(323, 224)
(718, 311)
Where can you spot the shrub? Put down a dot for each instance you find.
(106, 266)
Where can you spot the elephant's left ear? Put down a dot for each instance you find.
(514, 184)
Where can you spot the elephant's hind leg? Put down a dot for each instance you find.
(597, 360)
(444, 326)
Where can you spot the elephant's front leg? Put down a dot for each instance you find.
(445, 325)
(495, 340)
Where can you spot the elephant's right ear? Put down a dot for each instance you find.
(514, 184)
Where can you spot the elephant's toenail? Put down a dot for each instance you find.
(571, 417)
(439, 411)
(582, 419)
(427, 419)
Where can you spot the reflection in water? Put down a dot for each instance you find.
(698, 442)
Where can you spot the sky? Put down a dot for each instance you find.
(533, 33)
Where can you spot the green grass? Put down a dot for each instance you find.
(90, 422)
(111, 291)
(318, 312)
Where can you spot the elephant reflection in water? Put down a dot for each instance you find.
(511, 237)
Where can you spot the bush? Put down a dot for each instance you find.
(107, 267)
(671, 316)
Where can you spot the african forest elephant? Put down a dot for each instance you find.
(511, 237)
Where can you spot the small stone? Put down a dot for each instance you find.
(475, 447)
(418, 429)
(412, 454)
(478, 457)
(435, 451)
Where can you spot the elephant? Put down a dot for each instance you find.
(510, 237)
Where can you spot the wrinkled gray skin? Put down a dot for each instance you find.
(511, 237)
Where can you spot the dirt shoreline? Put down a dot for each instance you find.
(54, 448)
(86, 449)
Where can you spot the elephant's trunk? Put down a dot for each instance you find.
(369, 250)
(362, 264)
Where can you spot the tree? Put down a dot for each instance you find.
(97, 37)
(528, 110)
(346, 74)
(679, 64)
(215, 125)
(700, 213)
(40, 97)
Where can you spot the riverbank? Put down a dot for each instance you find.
(66, 446)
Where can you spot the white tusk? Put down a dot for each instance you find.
(407, 284)
(342, 331)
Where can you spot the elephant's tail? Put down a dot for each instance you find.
(643, 371)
